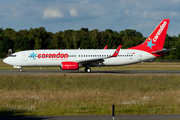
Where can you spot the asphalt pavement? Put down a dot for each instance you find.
(26, 72)
(96, 117)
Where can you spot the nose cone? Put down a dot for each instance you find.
(6, 60)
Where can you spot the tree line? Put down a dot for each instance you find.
(39, 38)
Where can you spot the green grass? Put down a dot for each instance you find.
(86, 94)
(69, 94)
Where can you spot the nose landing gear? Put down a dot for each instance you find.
(20, 70)
(87, 69)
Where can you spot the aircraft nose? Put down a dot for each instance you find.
(6, 60)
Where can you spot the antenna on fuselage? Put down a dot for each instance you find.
(9, 52)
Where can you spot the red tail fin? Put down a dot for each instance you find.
(155, 41)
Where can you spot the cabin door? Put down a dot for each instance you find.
(140, 56)
(24, 57)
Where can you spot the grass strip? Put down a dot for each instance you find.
(72, 94)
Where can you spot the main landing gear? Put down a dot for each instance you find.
(87, 69)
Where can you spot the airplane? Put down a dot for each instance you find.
(72, 59)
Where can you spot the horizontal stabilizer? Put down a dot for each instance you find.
(164, 50)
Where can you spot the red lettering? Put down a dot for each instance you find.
(62, 55)
(46, 55)
(50, 55)
(66, 55)
(58, 55)
(39, 55)
(54, 55)
(43, 55)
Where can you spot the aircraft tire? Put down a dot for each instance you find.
(20, 70)
(88, 70)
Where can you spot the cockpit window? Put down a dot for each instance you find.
(12, 56)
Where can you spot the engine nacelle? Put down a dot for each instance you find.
(70, 66)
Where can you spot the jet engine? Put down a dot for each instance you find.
(70, 66)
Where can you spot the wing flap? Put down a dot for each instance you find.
(91, 60)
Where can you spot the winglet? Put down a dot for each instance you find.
(117, 51)
(105, 47)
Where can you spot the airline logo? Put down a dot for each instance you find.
(159, 31)
(161, 28)
(48, 55)
(33, 55)
(58, 55)
(149, 44)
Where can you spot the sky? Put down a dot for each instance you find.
(117, 15)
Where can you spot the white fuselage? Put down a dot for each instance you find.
(56, 57)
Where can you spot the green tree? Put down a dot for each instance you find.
(7, 44)
(94, 37)
(85, 39)
(38, 42)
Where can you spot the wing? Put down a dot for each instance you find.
(101, 59)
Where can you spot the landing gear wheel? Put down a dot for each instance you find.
(20, 70)
(87, 69)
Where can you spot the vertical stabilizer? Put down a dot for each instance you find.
(155, 41)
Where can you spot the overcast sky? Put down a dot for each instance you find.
(60, 15)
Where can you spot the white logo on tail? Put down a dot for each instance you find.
(159, 31)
